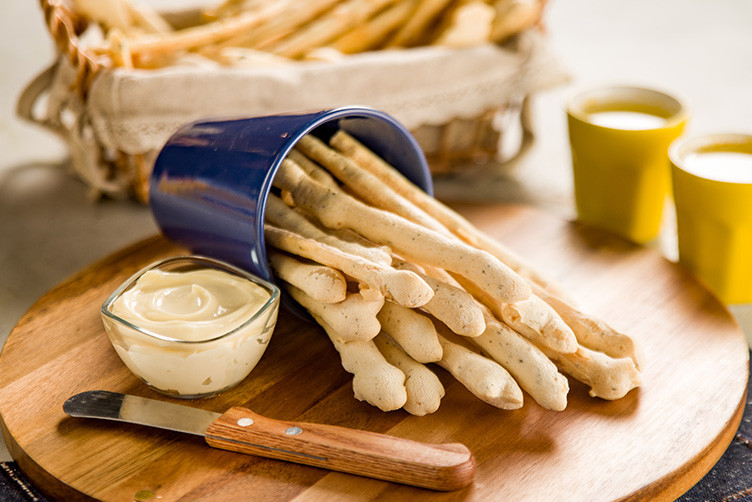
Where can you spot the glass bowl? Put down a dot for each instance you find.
(191, 326)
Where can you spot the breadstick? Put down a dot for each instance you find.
(371, 34)
(322, 283)
(533, 318)
(415, 27)
(375, 381)
(608, 378)
(335, 209)
(451, 305)
(514, 16)
(415, 333)
(230, 8)
(424, 389)
(456, 224)
(147, 18)
(280, 215)
(120, 55)
(538, 321)
(312, 169)
(353, 319)
(402, 286)
(374, 252)
(532, 369)
(486, 379)
(296, 14)
(529, 366)
(111, 14)
(469, 24)
(326, 28)
(365, 185)
(205, 34)
(594, 333)
(286, 197)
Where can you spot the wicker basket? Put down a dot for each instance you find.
(118, 170)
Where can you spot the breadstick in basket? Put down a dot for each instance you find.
(327, 28)
(414, 30)
(469, 24)
(296, 14)
(514, 16)
(371, 34)
(203, 35)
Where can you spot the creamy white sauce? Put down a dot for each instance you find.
(197, 312)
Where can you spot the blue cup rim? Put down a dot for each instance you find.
(316, 121)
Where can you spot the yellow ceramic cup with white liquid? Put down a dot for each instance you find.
(619, 137)
(712, 180)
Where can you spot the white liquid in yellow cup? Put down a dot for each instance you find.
(712, 178)
(619, 138)
(626, 120)
(731, 167)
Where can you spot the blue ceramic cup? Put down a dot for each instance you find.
(209, 186)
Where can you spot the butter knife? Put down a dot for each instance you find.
(436, 466)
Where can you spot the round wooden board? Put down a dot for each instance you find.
(655, 443)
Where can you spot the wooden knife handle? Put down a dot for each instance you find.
(436, 466)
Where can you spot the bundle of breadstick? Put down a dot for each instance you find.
(273, 32)
(400, 282)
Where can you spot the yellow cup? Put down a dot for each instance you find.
(712, 180)
(619, 138)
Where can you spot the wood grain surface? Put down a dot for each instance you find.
(655, 443)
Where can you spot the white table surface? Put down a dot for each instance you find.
(699, 49)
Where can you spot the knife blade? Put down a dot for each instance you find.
(444, 467)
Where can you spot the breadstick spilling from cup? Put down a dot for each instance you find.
(402, 284)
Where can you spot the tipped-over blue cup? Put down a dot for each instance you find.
(209, 186)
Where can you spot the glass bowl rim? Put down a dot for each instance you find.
(274, 296)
